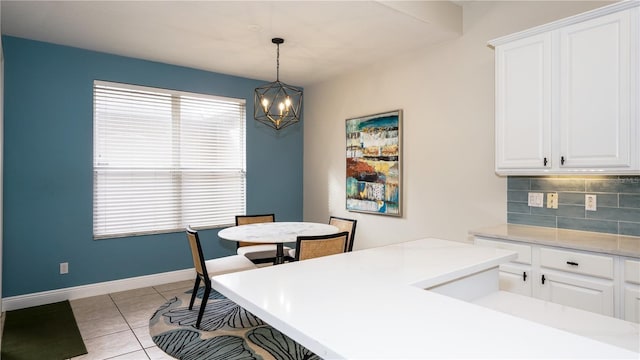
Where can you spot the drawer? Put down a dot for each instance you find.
(632, 271)
(524, 251)
(579, 263)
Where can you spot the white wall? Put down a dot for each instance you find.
(446, 93)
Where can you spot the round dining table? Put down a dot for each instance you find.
(276, 232)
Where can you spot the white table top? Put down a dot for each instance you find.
(275, 232)
(370, 304)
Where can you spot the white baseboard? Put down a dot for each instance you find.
(78, 292)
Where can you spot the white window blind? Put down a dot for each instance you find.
(165, 159)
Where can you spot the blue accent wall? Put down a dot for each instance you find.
(48, 179)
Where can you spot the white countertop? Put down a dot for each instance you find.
(370, 304)
(573, 239)
(603, 328)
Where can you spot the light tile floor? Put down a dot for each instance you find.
(116, 326)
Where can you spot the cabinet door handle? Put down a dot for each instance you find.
(524, 276)
(543, 279)
(545, 161)
(561, 160)
(572, 263)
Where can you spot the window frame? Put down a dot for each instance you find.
(175, 172)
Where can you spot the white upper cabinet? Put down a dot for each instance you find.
(523, 106)
(595, 116)
(567, 95)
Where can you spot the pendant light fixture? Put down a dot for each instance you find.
(277, 104)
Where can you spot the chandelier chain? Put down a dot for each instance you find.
(278, 62)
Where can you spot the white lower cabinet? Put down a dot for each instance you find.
(579, 279)
(632, 304)
(631, 287)
(515, 276)
(516, 279)
(593, 295)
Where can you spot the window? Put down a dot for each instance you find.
(165, 159)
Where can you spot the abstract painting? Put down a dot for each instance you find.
(373, 163)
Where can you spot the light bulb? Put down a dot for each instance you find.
(287, 102)
(281, 107)
(265, 103)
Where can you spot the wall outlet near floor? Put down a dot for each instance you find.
(536, 199)
(590, 202)
(552, 200)
(64, 268)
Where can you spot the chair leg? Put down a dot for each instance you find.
(203, 304)
(195, 292)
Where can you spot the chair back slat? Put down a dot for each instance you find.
(253, 219)
(196, 253)
(309, 247)
(344, 224)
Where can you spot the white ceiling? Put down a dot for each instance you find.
(322, 38)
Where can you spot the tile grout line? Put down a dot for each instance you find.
(126, 321)
(130, 329)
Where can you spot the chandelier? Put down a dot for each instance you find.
(277, 104)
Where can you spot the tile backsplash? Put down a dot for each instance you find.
(617, 203)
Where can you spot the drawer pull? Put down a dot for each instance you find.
(572, 263)
(543, 279)
(524, 276)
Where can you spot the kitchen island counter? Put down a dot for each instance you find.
(372, 304)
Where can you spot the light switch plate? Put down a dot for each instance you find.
(590, 202)
(536, 199)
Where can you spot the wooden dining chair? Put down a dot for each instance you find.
(258, 253)
(344, 224)
(309, 247)
(207, 268)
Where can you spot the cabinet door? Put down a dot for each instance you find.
(631, 286)
(632, 303)
(515, 279)
(579, 292)
(523, 104)
(596, 126)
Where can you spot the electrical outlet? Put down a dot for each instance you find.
(552, 200)
(590, 202)
(535, 199)
(64, 268)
